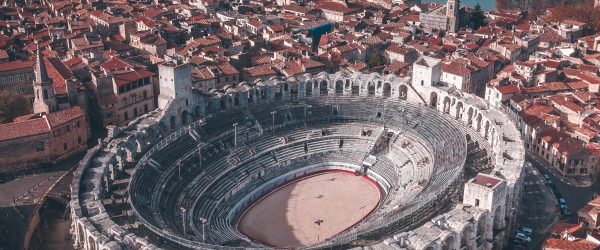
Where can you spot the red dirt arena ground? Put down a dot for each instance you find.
(286, 217)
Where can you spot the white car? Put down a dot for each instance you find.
(523, 237)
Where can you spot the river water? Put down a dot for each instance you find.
(485, 4)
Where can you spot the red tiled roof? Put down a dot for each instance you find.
(61, 117)
(7, 66)
(483, 180)
(131, 76)
(24, 128)
(579, 244)
(508, 89)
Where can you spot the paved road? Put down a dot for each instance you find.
(538, 205)
(576, 197)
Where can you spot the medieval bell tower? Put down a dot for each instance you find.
(44, 100)
(452, 13)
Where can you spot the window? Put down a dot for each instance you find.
(79, 139)
(477, 202)
(45, 94)
(146, 108)
(78, 124)
(39, 146)
(65, 146)
(145, 94)
(422, 82)
(68, 128)
(126, 116)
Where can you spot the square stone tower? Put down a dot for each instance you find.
(452, 12)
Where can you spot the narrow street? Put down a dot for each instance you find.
(539, 207)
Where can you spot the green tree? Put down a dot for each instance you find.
(477, 17)
(13, 106)
(376, 60)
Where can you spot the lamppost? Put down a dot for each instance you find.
(203, 222)
(183, 219)
(273, 125)
(318, 223)
(235, 135)
(179, 169)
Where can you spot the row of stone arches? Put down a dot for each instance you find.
(471, 116)
(472, 234)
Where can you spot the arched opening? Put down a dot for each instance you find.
(323, 88)
(91, 243)
(236, 100)
(465, 237)
(81, 237)
(498, 220)
(294, 89)
(387, 89)
(481, 228)
(470, 117)
(433, 100)
(355, 88)
(263, 93)
(173, 123)
(447, 104)
(371, 88)
(449, 243)
(347, 86)
(339, 87)
(487, 129)
(251, 96)
(459, 110)
(403, 92)
(184, 117)
(478, 127)
(309, 89)
(222, 104)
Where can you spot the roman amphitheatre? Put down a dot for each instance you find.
(319, 161)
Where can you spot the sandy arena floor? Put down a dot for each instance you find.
(287, 216)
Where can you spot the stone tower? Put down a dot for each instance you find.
(44, 100)
(452, 13)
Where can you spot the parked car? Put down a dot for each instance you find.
(522, 237)
(547, 179)
(525, 230)
(562, 202)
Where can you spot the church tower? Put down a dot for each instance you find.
(44, 101)
(452, 13)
